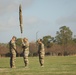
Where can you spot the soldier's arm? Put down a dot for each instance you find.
(27, 44)
(13, 45)
(42, 46)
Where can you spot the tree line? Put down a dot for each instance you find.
(64, 43)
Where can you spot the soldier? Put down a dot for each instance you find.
(25, 46)
(41, 52)
(12, 46)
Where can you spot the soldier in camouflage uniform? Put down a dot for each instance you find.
(12, 46)
(25, 46)
(41, 52)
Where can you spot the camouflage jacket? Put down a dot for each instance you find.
(41, 48)
(12, 45)
(25, 45)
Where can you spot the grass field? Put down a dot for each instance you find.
(54, 65)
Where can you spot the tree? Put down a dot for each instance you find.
(18, 42)
(74, 40)
(47, 40)
(19, 46)
(64, 37)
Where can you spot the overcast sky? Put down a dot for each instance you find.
(42, 16)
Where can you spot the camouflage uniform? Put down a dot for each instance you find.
(13, 53)
(25, 52)
(41, 54)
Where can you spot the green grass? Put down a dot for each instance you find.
(54, 65)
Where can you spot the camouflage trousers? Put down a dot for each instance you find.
(25, 56)
(41, 58)
(12, 58)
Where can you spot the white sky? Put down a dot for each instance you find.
(42, 16)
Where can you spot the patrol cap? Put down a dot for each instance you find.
(40, 40)
(14, 37)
